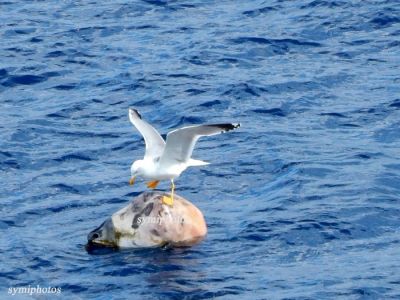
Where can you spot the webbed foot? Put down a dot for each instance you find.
(168, 200)
(152, 184)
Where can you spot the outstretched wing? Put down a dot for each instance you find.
(154, 142)
(181, 142)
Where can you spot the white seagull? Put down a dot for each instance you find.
(167, 160)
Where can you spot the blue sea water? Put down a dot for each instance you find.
(301, 203)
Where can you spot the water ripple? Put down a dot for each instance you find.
(301, 202)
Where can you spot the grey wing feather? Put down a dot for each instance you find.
(181, 142)
(154, 142)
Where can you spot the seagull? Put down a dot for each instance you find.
(165, 160)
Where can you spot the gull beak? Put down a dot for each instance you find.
(132, 180)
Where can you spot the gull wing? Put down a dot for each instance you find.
(154, 142)
(181, 142)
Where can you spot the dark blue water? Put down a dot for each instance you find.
(302, 202)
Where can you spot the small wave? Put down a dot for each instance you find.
(73, 157)
(24, 80)
(395, 103)
(260, 11)
(65, 87)
(273, 111)
(194, 92)
(181, 75)
(56, 53)
(3, 73)
(333, 114)
(156, 2)
(36, 40)
(324, 3)
(83, 134)
(190, 120)
(10, 163)
(196, 60)
(384, 21)
(211, 103)
(64, 188)
(242, 90)
(282, 42)
(6, 153)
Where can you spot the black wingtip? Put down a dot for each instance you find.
(227, 126)
(136, 112)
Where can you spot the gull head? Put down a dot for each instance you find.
(136, 169)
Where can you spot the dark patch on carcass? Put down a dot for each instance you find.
(148, 209)
(135, 223)
(145, 211)
(135, 207)
(155, 232)
(148, 195)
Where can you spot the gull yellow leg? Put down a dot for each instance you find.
(152, 184)
(170, 200)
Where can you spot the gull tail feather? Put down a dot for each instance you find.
(196, 162)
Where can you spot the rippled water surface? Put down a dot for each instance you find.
(302, 202)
